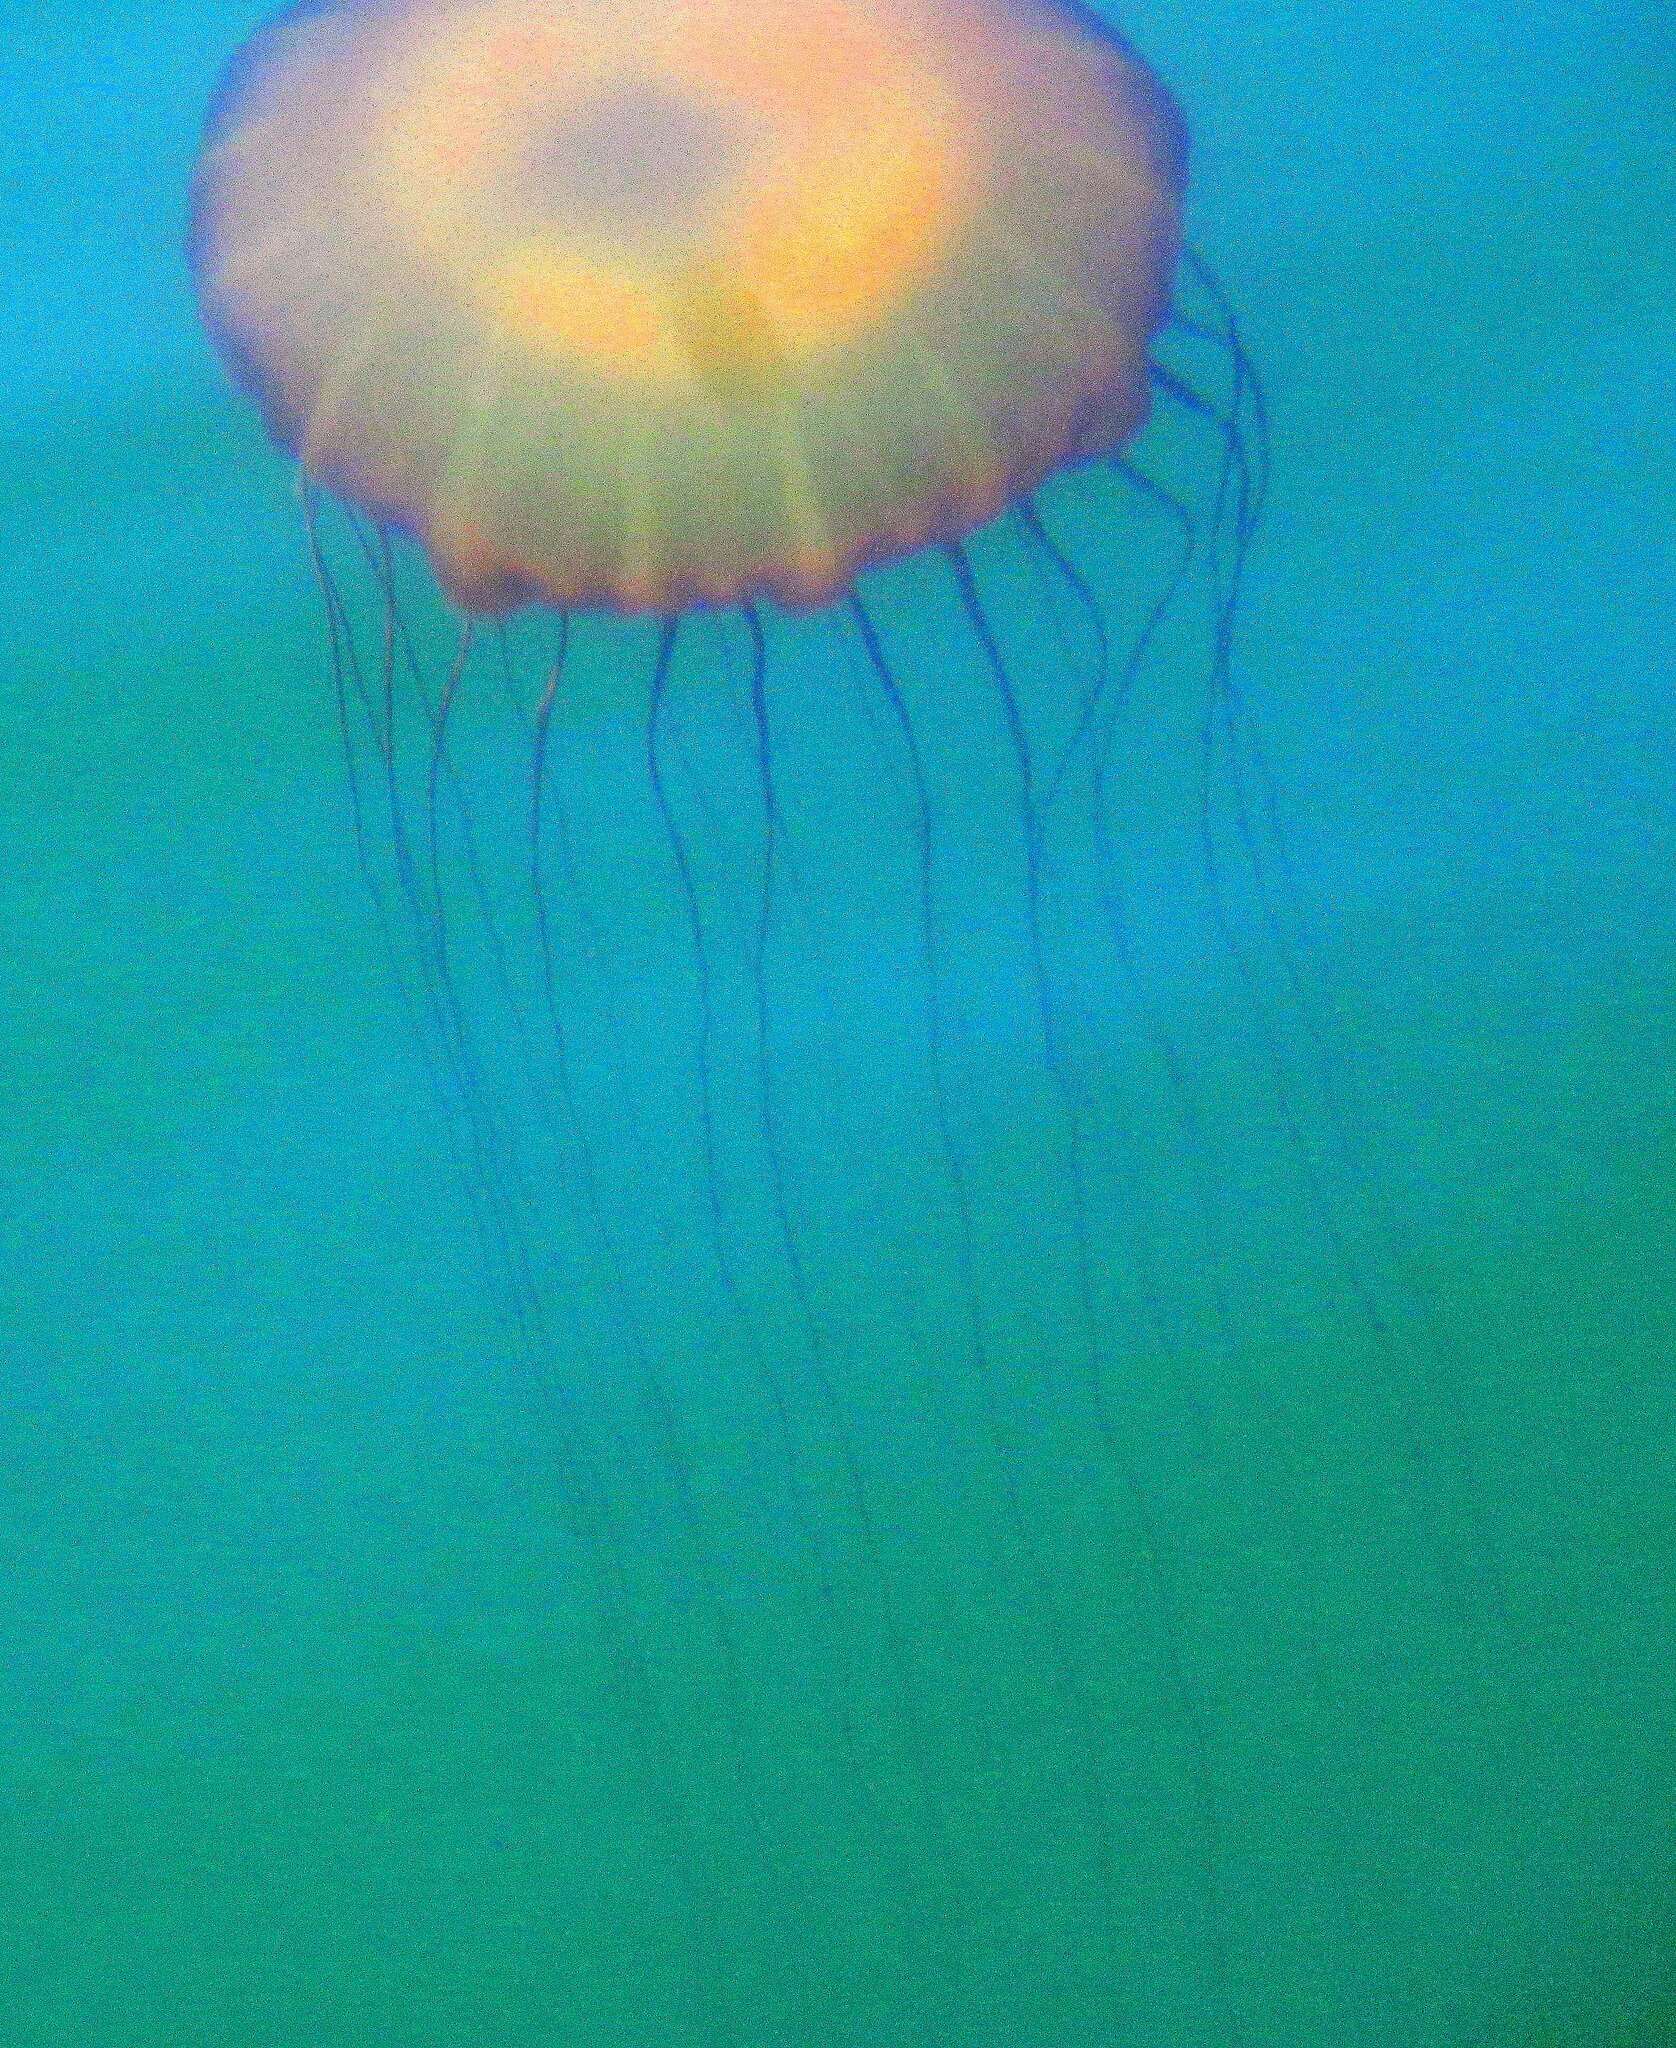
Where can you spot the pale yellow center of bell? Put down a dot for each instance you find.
(677, 195)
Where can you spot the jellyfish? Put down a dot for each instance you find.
(720, 434)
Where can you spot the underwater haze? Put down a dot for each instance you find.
(1026, 1401)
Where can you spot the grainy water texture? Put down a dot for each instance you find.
(729, 1452)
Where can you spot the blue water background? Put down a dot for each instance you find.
(308, 1738)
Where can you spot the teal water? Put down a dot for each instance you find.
(395, 1652)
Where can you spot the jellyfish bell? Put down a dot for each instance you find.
(646, 305)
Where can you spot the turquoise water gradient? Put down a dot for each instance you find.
(378, 1666)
